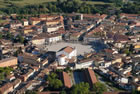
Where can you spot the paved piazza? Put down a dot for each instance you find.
(81, 49)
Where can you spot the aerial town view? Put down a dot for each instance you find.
(69, 46)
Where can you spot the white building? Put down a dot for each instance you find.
(25, 22)
(66, 54)
(46, 39)
(53, 38)
(84, 64)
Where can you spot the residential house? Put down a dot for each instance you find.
(53, 38)
(29, 58)
(48, 17)
(25, 77)
(12, 61)
(75, 36)
(5, 89)
(25, 22)
(38, 40)
(106, 64)
(44, 62)
(52, 22)
(27, 30)
(85, 63)
(16, 83)
(34, 21)
(15, 24)
(51, 29)
(45, 38)
(120, 40)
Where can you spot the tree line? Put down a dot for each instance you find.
(77, 6)
(69, 6)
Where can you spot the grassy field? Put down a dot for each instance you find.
(21, 3)
(2, 21)
(29, 2)
(4, 3)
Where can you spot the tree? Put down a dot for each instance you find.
(131, 48)
(67, 69)
(99, 88)
(54, 82)
(21, 39)
(135, 91)
(18, 51)
(57, 84)
(8, 35)
(5, 72)
(52, 75)
(0, 35)
(63, 92)
(30, 92)
(81, 88)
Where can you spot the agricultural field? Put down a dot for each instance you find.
(6, 3)
(21, 3)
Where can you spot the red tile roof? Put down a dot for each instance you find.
(66, 80)
(5, 87)
(90, 76)
(35, 19)
(68, 49)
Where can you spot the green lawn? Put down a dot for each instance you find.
(2, 21)
(5, 3)
(29, 2)
(21, 3)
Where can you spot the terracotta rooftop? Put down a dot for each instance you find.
(67, 49)
(34, 19)
(66, 80)
(62, 55)
(7, 59)
(5, 87)
(119, 38)
(90, 76)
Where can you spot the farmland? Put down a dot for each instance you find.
(21, 3)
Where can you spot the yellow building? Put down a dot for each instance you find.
(26, 31)
(137, 46)
(34, 21)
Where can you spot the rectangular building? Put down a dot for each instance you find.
(12, 61)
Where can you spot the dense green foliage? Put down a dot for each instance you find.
(66, 6)
(69, 6)
(131, 7)
(99, 88)
(30, 92)
(135, 92)
(0, 35)
(81, 88)
(54, 82)
(4, 72)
